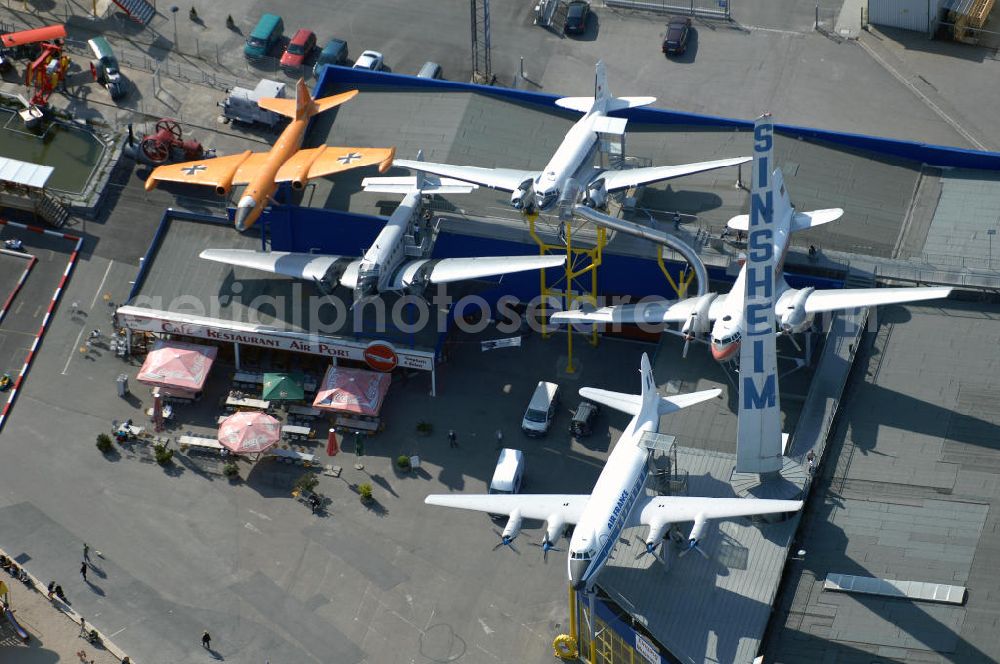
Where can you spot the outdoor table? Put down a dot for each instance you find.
(301, 457)
(132, 431)
(167, 410)
(293, 431)
(248, 403)
(306, 412)
(200, 441)
(358, 423)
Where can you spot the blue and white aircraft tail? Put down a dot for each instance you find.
(618, 499)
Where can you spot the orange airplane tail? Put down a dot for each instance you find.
(304, 106)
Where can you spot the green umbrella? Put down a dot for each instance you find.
(283, 387)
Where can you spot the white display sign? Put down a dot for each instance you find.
(645, 647)
(166, 322)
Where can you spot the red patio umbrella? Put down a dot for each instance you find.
(249, 432)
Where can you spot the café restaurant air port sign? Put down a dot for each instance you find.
(379, 355)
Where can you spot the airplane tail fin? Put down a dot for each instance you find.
(304, 106)
(603, 99)
(633, 404)
(758, 431)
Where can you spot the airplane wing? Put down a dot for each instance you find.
(532, 506)
(635, 176)
(447, 270)
(674, 509)
(507, 179)
(647, 312)
(313, 267)
(327, 160)
(216, 172)
(849, 298)
(632, 403)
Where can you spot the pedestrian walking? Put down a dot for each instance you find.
(86, 552)
(51, 588)
(83, 570)
(811, 458)
(206, 640)
(452, 438)
(83, 627)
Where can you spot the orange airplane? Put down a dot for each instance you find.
(262, 172)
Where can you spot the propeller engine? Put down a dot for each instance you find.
(697, 531)
(657, 530)
(597, 195)
(520, 198)
(697, 323)
(794, 318)
(554, 527)
(510, 531)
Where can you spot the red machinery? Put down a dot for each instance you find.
(159, 146)
(45, 72)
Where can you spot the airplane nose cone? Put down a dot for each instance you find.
(577, 570)
(242, 217)
(723, 353)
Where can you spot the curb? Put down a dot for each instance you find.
(48, 313)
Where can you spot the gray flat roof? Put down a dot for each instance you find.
(177, 280)
(478, 129)
(909, 491)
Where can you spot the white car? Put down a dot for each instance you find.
(369, 60)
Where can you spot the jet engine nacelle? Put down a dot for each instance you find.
(520, 198)
(513, 527)
(794, 318)
(698, 321)
(597, 195)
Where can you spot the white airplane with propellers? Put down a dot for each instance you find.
(619, 498)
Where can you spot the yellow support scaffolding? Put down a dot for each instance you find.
(572, 285)
(684, 279)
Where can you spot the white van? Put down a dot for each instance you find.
(541, 409)
(509, 473)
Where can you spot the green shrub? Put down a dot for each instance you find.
(231, 470)
(306, 482)
(365, 491)
(162, 454)
(104, 443)
(424, 427)
(403, 462)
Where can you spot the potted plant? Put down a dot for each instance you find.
(365, 491)
(424, 428)
(403, 463)
(231, 470)
(162, 455)
(104, 443)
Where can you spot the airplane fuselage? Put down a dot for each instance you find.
(612, 501)
(388, 251)
(728, 330)
(262, 187)
(574, 155)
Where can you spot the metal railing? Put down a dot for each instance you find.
(718, 9)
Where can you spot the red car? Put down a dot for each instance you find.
(298, 49)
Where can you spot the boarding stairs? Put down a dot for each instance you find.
(139, 11)
(52, 211)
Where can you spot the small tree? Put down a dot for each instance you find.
(403, 462)
(424, 427)
(231, 470)
(365, 491)
(104, 443)
(162, 454)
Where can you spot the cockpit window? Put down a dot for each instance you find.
(547, 197)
